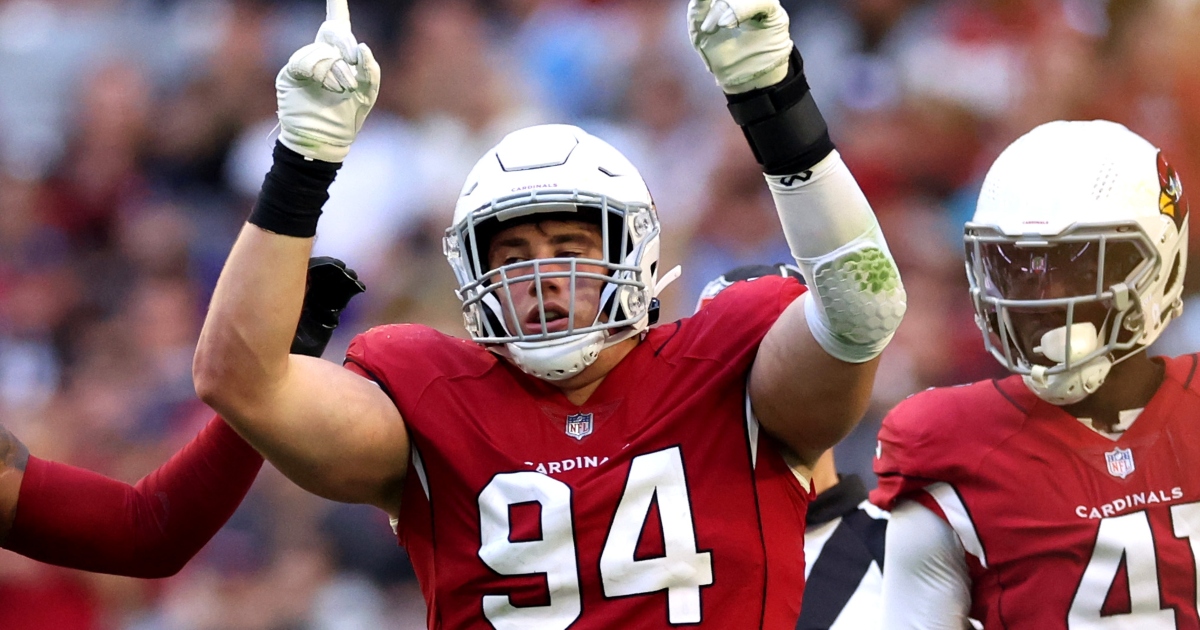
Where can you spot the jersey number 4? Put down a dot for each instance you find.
(1130, 537)
(680, 571)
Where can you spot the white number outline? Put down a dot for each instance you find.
(658, 469)
(622, 575)
(496, 543)
(1125, 533)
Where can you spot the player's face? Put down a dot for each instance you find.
(549, 239)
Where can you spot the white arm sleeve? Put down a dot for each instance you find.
(856, 299)
(925, 581)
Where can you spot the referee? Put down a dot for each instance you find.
(843, 553)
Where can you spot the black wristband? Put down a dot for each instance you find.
(293, 193)
(785, 129)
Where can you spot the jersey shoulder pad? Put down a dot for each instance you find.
(1183, 369)
(736, 320)
(940, 433)
(961, 411)
(410, 356)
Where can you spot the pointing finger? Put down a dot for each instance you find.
(337, 34)
(337, 10)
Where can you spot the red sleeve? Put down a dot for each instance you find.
(79, 519)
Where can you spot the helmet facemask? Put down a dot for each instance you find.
(627, 231)
(1076, 254)
(556, 172)
(1061, 311)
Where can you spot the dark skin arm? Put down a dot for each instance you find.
(13, 459)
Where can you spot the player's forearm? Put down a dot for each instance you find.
(242, 358)
(323, 96)
(77, 518)
(14, 457)
(856, 298)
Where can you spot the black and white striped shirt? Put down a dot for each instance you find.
(843, 550)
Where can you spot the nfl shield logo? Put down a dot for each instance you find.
(579, 425)
(1120, 462)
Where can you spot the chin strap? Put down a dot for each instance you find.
(1068, 388)
(555, 360)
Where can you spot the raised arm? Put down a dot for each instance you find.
(811, 381)
(331, 431)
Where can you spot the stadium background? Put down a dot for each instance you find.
(135, 133)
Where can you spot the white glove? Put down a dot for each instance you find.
(326, 90)
(744, 43)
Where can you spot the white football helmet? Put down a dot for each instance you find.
(1076, 254)
(559, 170)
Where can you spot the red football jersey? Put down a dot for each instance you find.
(657, 503)
(1063, 527)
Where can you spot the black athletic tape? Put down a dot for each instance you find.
(293, 193)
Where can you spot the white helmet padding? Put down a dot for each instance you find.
(1085, 224)
(555, 172)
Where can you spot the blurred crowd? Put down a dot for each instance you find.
(134, 135)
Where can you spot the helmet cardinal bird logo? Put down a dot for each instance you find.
(1170, 197)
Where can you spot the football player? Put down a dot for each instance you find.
(844, 534)
(1066, 495)
(569, 465)
(76, 518)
